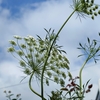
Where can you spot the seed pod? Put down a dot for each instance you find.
(99, 12)
(96, 6)
(92, 17)
(95, 13)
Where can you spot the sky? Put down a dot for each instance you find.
(30, 17)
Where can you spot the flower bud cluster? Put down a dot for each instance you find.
(86, 7)
(56, 95)
(32, 54)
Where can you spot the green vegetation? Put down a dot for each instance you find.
(37, 57)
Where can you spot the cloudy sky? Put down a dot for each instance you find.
(30, 17)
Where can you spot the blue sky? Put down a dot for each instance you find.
(14, 5)
(30, 17)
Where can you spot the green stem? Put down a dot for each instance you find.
(42, 91)
(80, 75)
(30, 86)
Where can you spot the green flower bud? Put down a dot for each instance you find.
(41, 43)
(36, 55)
(62, 82)
(27, 71)
(61, 64)
(66, 65)
(29, 43)
(92, 17)
(51, 61)
(18, 95)
(11, 49)
(52, 68)
(38, 60)
(57, 71)
(56, 79)
(57, 64)
(23, 46)
(91, 12)
(99, 12)
(22, 63)
(95, 13)
(5, 91)
(17, 37)
(88, 12)
(49, 74)
(96, 6)
(30, 49)
(92, 1)
(87, 1)
(91, 4)
(26, 39)
(29, 56)
(20, 53)
(63, 75)
(60, 57)
(66, 59)
(47, 82)
(34, 43)
(30, 37)
(30, 63)
(12, 42)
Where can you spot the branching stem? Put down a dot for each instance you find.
(49, 50)
(30, 86)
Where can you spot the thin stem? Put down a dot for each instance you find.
(80, 75)
(49, 50)
(64, 24)
(30, 86)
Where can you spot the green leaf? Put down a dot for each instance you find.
(63, 51)
(80, 55)
(94, 42)
(69, 74)
(87, 83)
(97, 50)
(47, 30)
(80, 45)
(39, 37)
(88, 40)
(79, 48)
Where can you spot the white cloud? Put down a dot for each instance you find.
(0, 1)
(49, 14)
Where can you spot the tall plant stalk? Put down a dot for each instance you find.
(80, 75)
(30, 86)
(50, 48)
